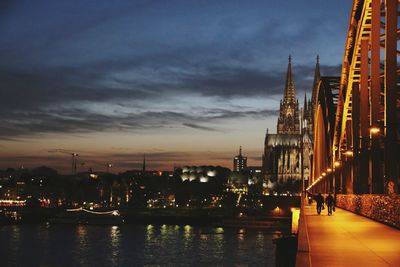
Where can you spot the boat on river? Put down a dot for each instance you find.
(90, 217)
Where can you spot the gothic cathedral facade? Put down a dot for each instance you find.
(288, 153)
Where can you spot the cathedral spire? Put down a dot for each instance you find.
(290, 94)
(317, 77)
(288, 121)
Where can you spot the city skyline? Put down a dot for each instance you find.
(184, 83)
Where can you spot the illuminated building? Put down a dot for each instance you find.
(254, 174)
(238, 182)
(202, 174)
(288, 151)
(239, 162)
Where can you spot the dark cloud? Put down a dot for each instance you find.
(231, 114)
(59, 59)
(32, 103)
(304, 76)
(228, 82)
(16, 125)
(37, 90)
(199, 127)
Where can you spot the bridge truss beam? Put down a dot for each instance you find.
(365, 147)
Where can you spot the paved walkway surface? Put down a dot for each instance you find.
(347, 239)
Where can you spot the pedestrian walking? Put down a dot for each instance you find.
(330, 203)
(320, 203)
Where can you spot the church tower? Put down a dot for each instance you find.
(287, 154)
(288, 121)
(312, 103)
(317, 78)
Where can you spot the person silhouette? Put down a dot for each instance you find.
(320, 202)
(330, 202)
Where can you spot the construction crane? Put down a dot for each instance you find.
(74, 157)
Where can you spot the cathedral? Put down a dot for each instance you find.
(288, 153)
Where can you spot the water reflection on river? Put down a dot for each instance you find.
(134, 245)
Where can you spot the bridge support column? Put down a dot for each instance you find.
(347, 166)
(376, 168)
(391, 147)
(363, 163)
(355, 119)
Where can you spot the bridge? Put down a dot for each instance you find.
(356, 148)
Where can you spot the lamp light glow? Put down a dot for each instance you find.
(374, 130)
(348, 153)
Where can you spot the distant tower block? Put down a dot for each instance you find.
(239, 162)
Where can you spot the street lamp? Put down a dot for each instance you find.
(348, 153)
(374, 130)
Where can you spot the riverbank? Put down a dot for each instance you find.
(276, 213)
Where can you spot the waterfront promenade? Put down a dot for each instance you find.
(345, 239)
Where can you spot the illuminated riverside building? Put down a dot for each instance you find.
(288, 151)
(202, 174)
(239, 162)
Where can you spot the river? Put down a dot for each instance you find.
(134, 245)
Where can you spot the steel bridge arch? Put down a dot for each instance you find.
(325, 101)
(364, 150)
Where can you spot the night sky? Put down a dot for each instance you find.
(185, 82)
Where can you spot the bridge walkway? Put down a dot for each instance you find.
(345, 239)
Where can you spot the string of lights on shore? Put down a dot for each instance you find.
(112, 212)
